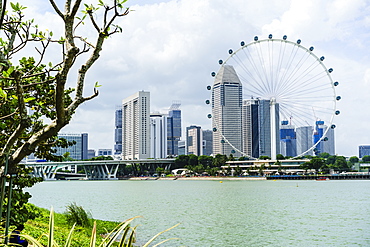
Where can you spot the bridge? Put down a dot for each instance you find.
(97, 169)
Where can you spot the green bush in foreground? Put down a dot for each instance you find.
(54, 233)
(76, 214)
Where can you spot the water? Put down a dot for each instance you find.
(231, 213)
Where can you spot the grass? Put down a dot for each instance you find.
(39, 229)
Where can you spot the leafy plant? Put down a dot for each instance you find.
(76, 214)
(123, 235)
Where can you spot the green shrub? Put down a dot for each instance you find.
(76, 214)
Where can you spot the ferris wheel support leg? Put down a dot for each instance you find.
(273, 127)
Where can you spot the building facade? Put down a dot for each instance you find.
(136, 126)
(288, 141)
(227, 112)
(363, 150)
(194, 140)
(250, 128)
(207, 142)
(118, 132)
(104, 152)
(78, 151)
(158, 135)
(304, 140)
(173, 129)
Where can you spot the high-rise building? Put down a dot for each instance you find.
(158, 135)
(78, 151)
(118, 132)
(363, 150)
(257, 128)
(136, 126)
(194, 140)
(304, 140)
(173, 129)
(207, 142)
(264, 121)
(250, 128)
(182, 147)
(90, 153)
(288, 145)
(227, 112)
(327, 144)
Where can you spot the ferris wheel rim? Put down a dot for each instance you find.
(311, 54)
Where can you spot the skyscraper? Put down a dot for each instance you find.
(264, 120)
(227, 112)
(136, 126)
(304, 139)
(327, 144)
(173, 129)
(250, 128)
(363, 150)
(78, 151)
(288, 145)
(158, 135)
(118, 132)
(207, 142)
(194, 140)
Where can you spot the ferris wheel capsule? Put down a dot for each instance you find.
(230, 51)
(322, 58)
(285, 37)
(336, 83)
(330, 70)
(220, 61)
(242, 43)
(255, 38)
(213, 74)
(208, 102)
(338, 98)
(209, 87)
(337, 112)
(270, 36)
(298, 41)
(311, 48)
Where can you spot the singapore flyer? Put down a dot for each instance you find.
(273, 96)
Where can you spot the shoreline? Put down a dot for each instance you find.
(194, 178)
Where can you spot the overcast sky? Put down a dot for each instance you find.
(170, 48)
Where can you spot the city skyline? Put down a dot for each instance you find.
(170, 48)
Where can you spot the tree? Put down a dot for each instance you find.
(181, 161)
(353, 159)
(34, 98)
(193, 160)
(219, 160)
(280, 157)
(366, 159)
(205, 160)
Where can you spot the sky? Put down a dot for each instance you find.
(171, 47)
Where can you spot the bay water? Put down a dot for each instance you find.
(225, 213)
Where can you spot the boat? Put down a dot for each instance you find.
(322, 179)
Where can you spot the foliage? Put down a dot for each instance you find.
(219, 160)
(102, 158)
(21, 211)
(77, 215)
(35, 101)
(366, 159)
(122, 235)
(280, 157)
(265, 157)
(354, 159)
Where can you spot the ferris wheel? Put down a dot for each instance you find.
(290, 86)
